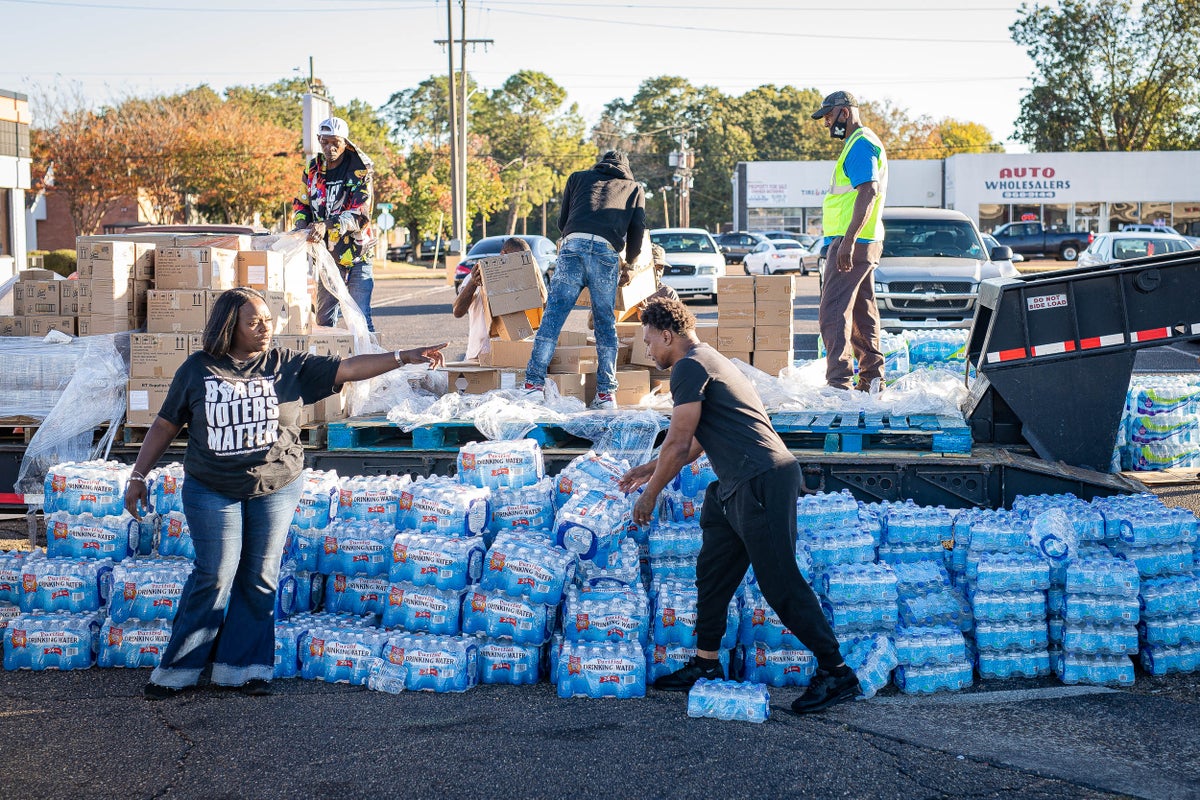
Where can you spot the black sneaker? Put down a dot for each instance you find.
(682, 679)
(152, 691)
(825, 690)
(255, 687)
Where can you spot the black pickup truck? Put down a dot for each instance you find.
(1033, 239)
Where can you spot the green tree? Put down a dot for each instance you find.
(1111, 75)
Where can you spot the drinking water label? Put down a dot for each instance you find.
(40, 641)
(58, 584)
(94, 487)
(355, 594)
(166, 488)
(523, 509)
(504, 663)
(133, 644)
(435, 663)
(501, 464)
(694, 478)
(605, 622)
(778, 666)
(422, 608)
(498, 616)
(339, 655)
(431, 560)
(590, 470)
(371, 499)
(147, 591)
(351, 553)
(8, 612)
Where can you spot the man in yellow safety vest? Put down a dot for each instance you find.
(849, 318)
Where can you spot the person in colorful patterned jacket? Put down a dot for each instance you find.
(335, 207)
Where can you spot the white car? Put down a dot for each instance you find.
(776, 255)
(1122, 245)
(694, 262)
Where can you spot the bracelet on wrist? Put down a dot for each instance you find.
(137, 476)
(399, 356)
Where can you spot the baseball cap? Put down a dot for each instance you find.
(334, 126)
(833, 101)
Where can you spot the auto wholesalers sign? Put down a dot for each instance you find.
(1028, 183)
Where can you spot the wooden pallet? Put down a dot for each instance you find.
(21, 430)
(376, 434)
(853, 432)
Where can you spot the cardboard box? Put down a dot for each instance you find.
(574, 385)
(630, 296)
(774, 288)
(115, 260)
(159, 355)
(573, 358)
(288, 341)
(772, 361)
(639, 355)
(512, 327)
(329, 409)
(37, 275)
(471, 379)
(511, 283)
(330, 342)
(707, 333)
(299, 313)
(632, 386)
(144, 399)
(32, 298)
(514, 355)
(195, 268)
(68, 298)
(624, 352)
(572, 338)
(736, 314)
(773, 337)
(100, 324)
(628, 331)
(40, 326)
(734, 289)
(119, 250)
(12, 326)
(773, 315)
(734, 339)
(741, 355)
(176, 310)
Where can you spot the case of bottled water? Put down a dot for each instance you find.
(339, 654)
(590, 669)
(500, 616)
(87, 536)
(922, 646)
(319, 500)
(590, 524)
(425, 559)
(859, 583)
(435, 663)
(1009, 572)
(860, 617)
(606, 615)
(936, 678)
(373, 498)
(1015, 606)
(907, 524)
(303, 546)
(175, 537)
(872, 658)
(523, 508)
(946, 607)
(423, 609)
(937, 347)
(1101, 670)
(1011, 635)
(65, 584)
(729, 700)
(673, 604)
(829, 546)
(760, 624)
(1156, 561)
(1163, 659)
(518, 567)
(826, 510)
(1100, 609)
(443, 506)
(353, 547)
(1087, 637)
(694, 478)
(165, 488)
(56, 640)
(501, 464)
(624, 568)
(287, 659)
(355, 594)
(673, 569)
(777, 666)
(92, 487)
(134, 643)
(147, 589)
(1170, 596)
(508, 663)
(384, 676)
(674, 540)
(1102, 575)
(1000, 665)
(663, 659)
(10, 576)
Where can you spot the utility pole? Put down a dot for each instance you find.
(458, 125)
(683, 160)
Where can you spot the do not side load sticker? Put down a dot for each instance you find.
(1042, 302)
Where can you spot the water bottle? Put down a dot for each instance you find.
(165, 488)
(663, 659)
(1000, 665)
(443, 506)
(859, 583)
(384, 676)
(147, 590)
(65, 584)
(729, 700)
(940, 677)
(40, 641)
(339, 653)
(1167, 659)
(778, 666)
(872, 658)
(606, 615)
(355, 594)
(373, 498)
(590, 470)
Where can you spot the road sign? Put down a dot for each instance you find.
(385, 221)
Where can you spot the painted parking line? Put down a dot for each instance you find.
(401, 298)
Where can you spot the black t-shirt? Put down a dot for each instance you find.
(734, 428)
(243, 417)
(335, 186)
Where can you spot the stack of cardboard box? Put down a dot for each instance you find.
(114, 277)
(38, 306)
(754, 320)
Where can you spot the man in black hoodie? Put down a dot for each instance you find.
(602, 209)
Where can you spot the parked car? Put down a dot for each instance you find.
(736, 244)
(1122, 245)
(404, 252)
(1146, 228)
(991, 244)
(776, 255)
(1034, 239)
(694, 262)
(933, 260)
(545, 253)
(779, 234)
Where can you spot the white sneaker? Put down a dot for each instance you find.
(603, 402)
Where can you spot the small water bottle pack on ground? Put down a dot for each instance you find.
(339, 654)
(435, 663)
(507, 663)
(729, 700)
(872, 658)
(497, 615)
(594, 669)
(133, 643)
(51, 640)
(1169, 629)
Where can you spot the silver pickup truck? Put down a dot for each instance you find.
(933, 260)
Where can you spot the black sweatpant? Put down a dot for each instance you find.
(757, 525)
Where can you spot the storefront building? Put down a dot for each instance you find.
(14, 180)
(1070, 191)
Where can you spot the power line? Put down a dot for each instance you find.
(689, 6)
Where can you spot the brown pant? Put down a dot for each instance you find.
(849, 318)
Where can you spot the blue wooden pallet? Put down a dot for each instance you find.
(852, 432)
(377, 435)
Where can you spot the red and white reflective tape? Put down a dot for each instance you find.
(1052, 349)
(1092, 342)
(1150, 335)
(9, 499)
(1007, 355)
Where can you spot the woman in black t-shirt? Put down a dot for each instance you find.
(241, 400)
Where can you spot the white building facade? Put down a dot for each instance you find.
(1072, 191)
(14, 181)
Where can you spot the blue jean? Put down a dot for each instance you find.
(360, 283)
(227, 611)
(581, 262)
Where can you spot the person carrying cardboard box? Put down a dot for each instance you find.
(471, 304)
(603, 209)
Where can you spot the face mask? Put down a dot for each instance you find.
(838, 129)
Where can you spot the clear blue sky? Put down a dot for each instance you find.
(937, 57)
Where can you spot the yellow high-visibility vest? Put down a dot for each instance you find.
(838, 206)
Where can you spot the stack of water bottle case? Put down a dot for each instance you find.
(505, 575)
